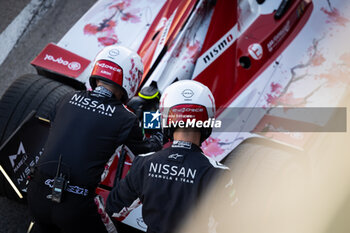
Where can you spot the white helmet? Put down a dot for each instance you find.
(118, 65)
(186, 100)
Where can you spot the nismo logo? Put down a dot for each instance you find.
(216, 50)
(213, 52)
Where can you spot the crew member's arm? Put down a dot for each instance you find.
(124, 197)
(139, 144)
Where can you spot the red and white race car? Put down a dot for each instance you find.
(254, 55)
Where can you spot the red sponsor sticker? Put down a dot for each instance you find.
(59, 60)
(184, 112)
(108, 70)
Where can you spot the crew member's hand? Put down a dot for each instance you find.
(158, 137)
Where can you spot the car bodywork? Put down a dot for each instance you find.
(251, 56)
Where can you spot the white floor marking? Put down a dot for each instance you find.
(13, 32)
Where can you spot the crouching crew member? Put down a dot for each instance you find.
(87, 128)
(169, 182)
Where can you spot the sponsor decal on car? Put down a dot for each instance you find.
(278, 37)
(71, 65)
(59, 60)
(13, 158)
(255, 51)
(20, 164)
(216, 50)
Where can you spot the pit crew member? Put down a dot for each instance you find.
(169, 182)
(87, 128)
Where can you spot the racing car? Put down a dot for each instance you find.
(254, 55)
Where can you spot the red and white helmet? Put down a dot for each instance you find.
(186, 100)
(118, 65)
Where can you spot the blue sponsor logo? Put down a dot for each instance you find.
(151, 120)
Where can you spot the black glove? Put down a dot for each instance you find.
(158, 138)
(136, 105)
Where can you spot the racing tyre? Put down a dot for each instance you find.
(29, 92)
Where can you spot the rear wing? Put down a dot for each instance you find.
(61, 65)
